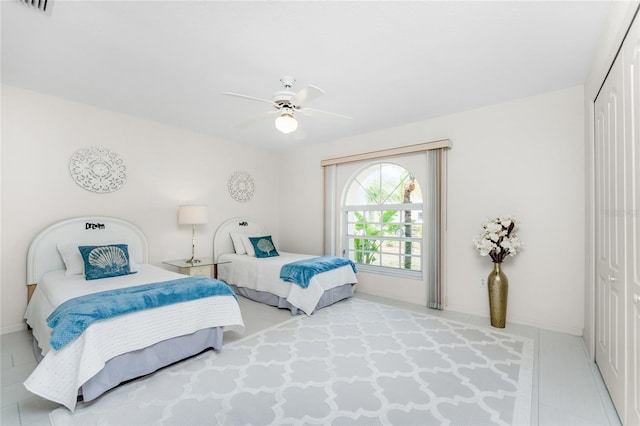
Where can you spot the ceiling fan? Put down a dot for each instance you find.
(287, 104)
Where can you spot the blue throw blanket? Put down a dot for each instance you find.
(302, 271)
(72, 317)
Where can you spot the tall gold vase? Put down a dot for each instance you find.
(498, 286)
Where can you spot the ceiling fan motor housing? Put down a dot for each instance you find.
(283, 98)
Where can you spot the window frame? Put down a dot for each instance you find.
(346, 237)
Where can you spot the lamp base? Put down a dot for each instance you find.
(193, 259)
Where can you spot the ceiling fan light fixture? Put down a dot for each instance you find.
(286, 123)
(286, 104)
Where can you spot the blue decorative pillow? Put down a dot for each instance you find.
(105, 261)
(263, 246)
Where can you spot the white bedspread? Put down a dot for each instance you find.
(61, 373)
(264, 275)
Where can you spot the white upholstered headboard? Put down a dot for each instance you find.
(222, 241)
(43, 253)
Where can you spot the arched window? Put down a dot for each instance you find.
(383, 219)
(385, 210)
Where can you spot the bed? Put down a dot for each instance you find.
(117, 348)
(259, 278)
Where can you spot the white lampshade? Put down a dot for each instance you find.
(286, 123)
(193, 215)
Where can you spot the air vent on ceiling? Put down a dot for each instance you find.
(43, 6)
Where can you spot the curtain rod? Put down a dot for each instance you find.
(426, 146)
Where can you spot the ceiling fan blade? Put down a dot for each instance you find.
(306, 94)
(317, 112)
(238, 95)
(256, 119)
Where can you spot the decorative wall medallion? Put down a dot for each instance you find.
(241, 186)
(98, 169)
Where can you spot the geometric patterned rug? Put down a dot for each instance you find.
(356, 362)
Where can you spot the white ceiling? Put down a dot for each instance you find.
(382, 63)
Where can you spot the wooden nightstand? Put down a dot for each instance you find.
(204, 268)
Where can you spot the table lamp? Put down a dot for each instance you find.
(193, 215)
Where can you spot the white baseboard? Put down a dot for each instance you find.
(13, 328)
(560, 328)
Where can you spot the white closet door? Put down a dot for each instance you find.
(617, 186)
(631, 60)
(610, 237)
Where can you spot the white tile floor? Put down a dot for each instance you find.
(567, 388)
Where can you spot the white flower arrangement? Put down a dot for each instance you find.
(498, 239)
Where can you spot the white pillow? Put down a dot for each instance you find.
(241, 243)
(248, 246)
(74, 263)
(72, 258)
(238, 245)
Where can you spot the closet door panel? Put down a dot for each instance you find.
(633, 393)
(617, 197)
(610, 246)
(631, 58)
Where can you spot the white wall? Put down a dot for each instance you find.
(524, 158)
(166, 167)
